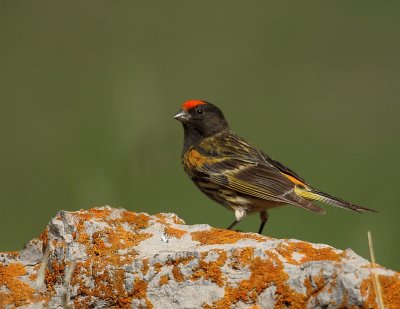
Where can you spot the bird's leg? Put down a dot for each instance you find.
(264, 219)
(232, 225)
(240, 213)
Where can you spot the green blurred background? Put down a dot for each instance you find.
(88, 90)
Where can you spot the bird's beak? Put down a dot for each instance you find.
(182, 116)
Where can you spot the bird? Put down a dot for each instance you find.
(236, 174)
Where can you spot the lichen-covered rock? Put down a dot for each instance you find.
(113, 258)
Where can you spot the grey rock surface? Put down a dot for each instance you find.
(113, 258)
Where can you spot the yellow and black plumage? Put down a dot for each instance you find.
(238, 176)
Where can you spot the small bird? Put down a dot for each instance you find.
(238, 176)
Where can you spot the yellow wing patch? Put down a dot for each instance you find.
(309, 195)
(251, 189)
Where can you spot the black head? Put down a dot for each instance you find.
(201, 118)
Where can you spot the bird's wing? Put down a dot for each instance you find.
(240, 167)
(260, 181)
(285, 170)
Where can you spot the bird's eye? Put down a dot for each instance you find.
(199, 111)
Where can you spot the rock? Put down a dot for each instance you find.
(113, 258)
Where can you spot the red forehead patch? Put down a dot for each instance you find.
(191, 103)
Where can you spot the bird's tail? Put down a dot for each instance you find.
(316, 195)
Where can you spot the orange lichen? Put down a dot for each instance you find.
(217, 236)
(44, 237)
(145, 267)
(139, 221)
(82, 237)
(140, 292)
(211, 270)
(92, 214)
(102, 274)
(241, 257)
(345, 301)
(157, 267)
(115, 237)
(390, 286)
(163, 280)
(177, 220)
(19, 293)
(108, 283)
(368, 292)
(11, 254)
(105, 265)
(308, 285)
(314, 285)
(33, 277)
(177, 233)
(54, 275)
(123, 237)
(391, 290)
(177, 261)
(163, 219)
(176, 272)
(264, 273)
(308, 251)
(139, 288)
(110, 240)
